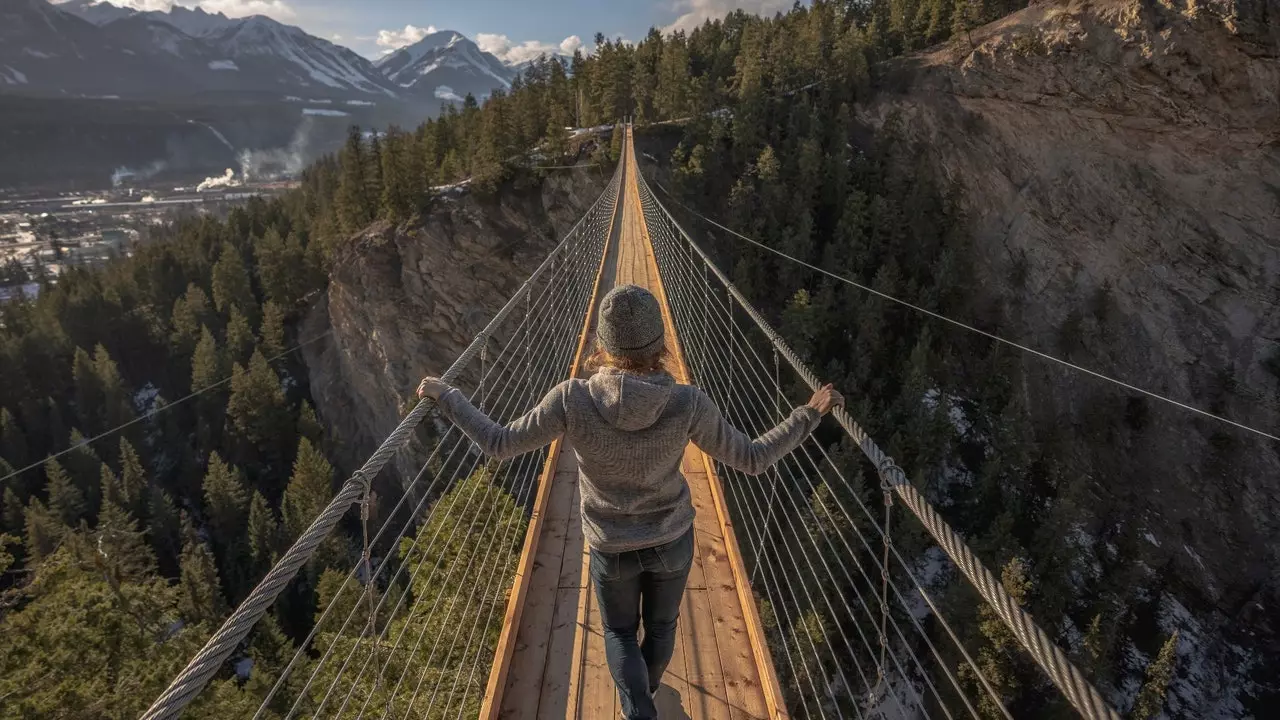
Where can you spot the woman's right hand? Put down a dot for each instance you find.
(825, 399)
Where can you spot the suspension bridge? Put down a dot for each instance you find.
(799, 604)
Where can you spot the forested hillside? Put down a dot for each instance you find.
(121, 556)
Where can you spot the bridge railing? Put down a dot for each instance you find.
(854, 629)
(411, 633)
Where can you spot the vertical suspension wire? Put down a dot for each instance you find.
(887, 491)
(366, 509)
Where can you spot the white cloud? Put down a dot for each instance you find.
(396, 39)
(570, 44)
(696, 12)
(278, 9)
(513, 54)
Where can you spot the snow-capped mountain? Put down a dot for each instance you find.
(96, 11)
(445, 66)
(93, 48)
(286, 57)
(115, 51)
(565, 61)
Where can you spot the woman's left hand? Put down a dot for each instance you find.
(432, 387)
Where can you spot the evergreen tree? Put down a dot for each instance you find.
(309, 424)
(13, 442)
(353, 205)
(226, 501)
(12, 519)
(264, 533)
(208, 365)
(999, 659)
(133, 481)
(239, 342)
(1150, 701)
(121, 549)
(164, 528)
(259, 413)
(66, 501)
(309, 489)
(191, 312)
(231, 288)
(279, 261)
(201, 599)
(42, 529)
(272, 344)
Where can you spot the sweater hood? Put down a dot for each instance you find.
(630, 402)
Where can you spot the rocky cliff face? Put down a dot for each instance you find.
(1121, 163)
(404, 301)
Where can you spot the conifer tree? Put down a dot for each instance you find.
(272, 343)
(201, 599)
(66, 501)
(13, 442)
(263, 532)
(133, 481)
(11, 520)
(164, 528)
(309, 424)
(309, 489)
(190, 313)
(259, 413)
(239, 342)
(226, 500)
(354, 206)
(121, 549)
(231, 287)
(1150, 702)
(43, 530)
(208, 365)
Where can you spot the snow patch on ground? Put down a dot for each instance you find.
(37, 54)
(292, 98)
(1151, 539)
(13, 76)
(323, 112)
(1212, 674)
(223, 65)
(320, 101)
(954, 406)
(1084, 561)
(454, 189)
(444, 92)
(144, 400)
(360, 103)
(244, 668)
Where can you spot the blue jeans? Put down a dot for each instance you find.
(630, 586)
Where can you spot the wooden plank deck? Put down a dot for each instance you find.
(554, 660)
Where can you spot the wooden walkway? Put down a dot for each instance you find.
(550, 661)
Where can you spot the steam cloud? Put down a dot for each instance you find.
(270, 164)
(137, 174)
(226, 180)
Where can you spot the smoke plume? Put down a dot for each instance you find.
(137, 174)
(226, 180)
(274, 163)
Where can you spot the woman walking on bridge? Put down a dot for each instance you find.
(629, 425)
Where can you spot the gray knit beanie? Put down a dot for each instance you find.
(631, 323)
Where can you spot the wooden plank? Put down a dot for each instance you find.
(552, 702)
(535, 632)
(520, 588)
(673, 696)
(599, 695)
(741, 677)
(576, 556)
(707, 697)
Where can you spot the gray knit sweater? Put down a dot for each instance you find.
(630, 433)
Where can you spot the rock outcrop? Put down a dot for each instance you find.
(1121, 166)
(404, 301)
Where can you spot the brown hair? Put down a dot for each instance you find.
(657, 363)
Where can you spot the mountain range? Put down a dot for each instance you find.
(84, 48)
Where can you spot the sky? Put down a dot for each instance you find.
(514, 30)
